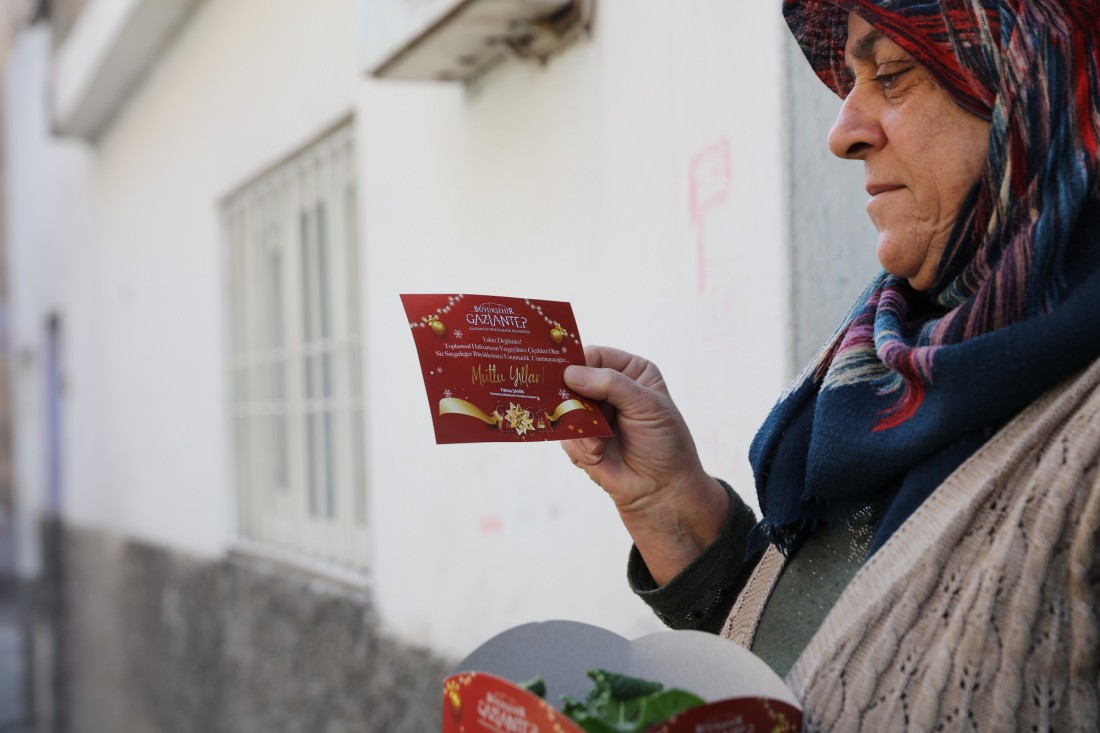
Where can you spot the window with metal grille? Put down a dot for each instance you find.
(296, 364)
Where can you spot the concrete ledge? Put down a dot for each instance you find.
(471, 36)
(105, 55)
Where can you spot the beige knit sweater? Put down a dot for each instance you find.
(981, 612)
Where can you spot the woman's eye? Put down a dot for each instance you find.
(887, 81)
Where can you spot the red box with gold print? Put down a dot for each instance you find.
(493, 365)
(742, 694)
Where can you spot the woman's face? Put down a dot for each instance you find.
(922, 153)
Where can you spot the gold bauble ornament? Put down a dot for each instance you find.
(557, 333)
(437, 326)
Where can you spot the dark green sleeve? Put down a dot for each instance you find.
(701, 596)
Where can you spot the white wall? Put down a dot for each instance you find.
(246, 83)
(574, 182)
(51, 272)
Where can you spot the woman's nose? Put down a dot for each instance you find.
(855, 132)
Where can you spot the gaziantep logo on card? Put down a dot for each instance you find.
(505, 714)
(495, 315)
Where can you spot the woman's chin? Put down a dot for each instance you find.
(895, 265)
(906, 260)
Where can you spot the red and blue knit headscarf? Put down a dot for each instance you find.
(914, 382)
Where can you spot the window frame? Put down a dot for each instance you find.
(296, 397)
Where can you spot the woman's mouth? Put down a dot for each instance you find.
(879, 194)
(878, 189)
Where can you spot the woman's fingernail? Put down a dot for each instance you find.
(576, 375)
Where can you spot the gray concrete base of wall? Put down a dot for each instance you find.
(131, 638)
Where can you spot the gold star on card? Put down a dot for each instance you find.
(519, 419)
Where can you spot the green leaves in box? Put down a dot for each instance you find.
(622, 704)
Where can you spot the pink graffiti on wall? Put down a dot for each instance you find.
(710, 182)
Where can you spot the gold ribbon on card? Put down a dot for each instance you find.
(563, 408)
(455, 406)
(517, 418)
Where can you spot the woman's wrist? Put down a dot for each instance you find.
(671, 528)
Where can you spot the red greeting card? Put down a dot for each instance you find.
(493, 366)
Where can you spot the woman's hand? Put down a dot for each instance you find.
(650, 468)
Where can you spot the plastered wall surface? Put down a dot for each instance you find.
(160, 641)
(639, 176)
(50, 273)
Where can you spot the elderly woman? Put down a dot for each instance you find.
(927, 556)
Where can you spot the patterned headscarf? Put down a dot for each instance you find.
(914, 382)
